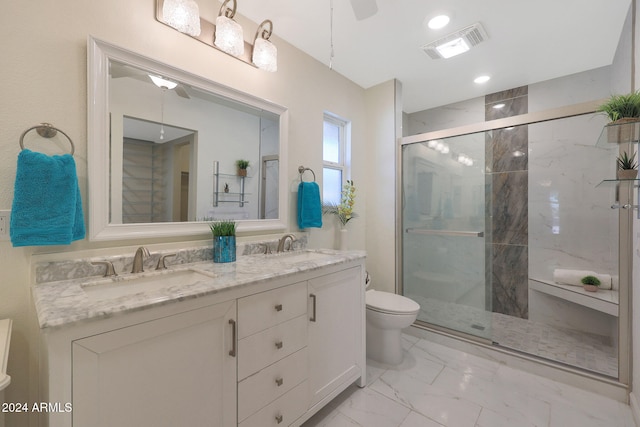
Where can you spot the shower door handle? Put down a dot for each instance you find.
(437, 232)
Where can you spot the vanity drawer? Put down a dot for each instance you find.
(283, 411)
(266, 347)
(264, 310)
(264, 387)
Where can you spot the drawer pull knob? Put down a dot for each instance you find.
(279, 345)
(279, 381)
(278, 419)
(279, 307)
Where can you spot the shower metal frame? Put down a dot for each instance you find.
(625, 221)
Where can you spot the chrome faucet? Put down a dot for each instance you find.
(283, 241)
(138, 266)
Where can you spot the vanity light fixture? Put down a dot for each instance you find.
(228, 35)
(183, 15)
(265, 54)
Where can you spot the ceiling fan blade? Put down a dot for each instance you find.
(364, 9)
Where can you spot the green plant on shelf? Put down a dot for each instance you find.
(626, 162)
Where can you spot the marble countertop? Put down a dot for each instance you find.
(66, 302)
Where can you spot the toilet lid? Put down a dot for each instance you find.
(390, 303)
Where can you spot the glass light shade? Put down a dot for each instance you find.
(163, 83)
(229, 36)
(265, 55)
(183, 15)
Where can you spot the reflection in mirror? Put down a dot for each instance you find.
(179, 148)
(172, 146)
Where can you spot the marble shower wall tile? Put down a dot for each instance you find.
(510, 282)
(571, 223)
(515, 103)
(507, 166)
(509, 210)
(510, 149)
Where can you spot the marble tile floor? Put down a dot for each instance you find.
(575, 348)
(439, 386)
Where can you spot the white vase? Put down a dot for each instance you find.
(342, 239)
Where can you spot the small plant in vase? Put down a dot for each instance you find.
(242, 167)
(590, 283)
(627, 166)
(224, 240)
(343, 211)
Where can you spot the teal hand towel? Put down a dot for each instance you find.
(309, 205)
(47, 207)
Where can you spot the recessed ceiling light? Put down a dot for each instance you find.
(438, 22)
(481, 79)
(498, 106)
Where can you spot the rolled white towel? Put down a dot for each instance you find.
(574, 277)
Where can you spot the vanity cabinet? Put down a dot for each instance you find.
(177, 370)
(269, 353)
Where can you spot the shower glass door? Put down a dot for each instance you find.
(444, 254)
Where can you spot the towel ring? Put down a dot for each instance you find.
(302, 169)
(46, 130)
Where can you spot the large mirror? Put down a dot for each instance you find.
(163, 153)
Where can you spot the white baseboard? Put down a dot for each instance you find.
(635, 407)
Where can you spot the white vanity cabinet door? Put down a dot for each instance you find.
(173, 371)
(336, 312)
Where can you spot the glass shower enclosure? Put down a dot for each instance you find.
(489, 220)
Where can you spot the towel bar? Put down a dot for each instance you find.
(302, 169)
(46, 130)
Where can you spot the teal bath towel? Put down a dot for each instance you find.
(309, 205)
(47, 208)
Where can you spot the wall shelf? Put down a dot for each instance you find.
(619, 133)
(239, 197)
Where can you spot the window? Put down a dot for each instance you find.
(335, 157)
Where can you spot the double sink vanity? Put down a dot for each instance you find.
(265, 341)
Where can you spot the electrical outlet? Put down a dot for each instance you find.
(4, 224)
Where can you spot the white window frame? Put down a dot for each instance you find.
(344, 142)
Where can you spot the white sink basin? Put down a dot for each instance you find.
(131, 285)
(297, 256)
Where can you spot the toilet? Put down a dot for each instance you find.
(387, 315)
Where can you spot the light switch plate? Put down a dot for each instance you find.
(4, 224)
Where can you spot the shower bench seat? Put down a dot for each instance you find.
(605, 301)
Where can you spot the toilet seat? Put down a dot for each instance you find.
(386, 302)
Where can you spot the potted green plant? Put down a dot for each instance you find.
(627, 166)
(242, 167)
(623, 111)
(224, 240)
(590, 283)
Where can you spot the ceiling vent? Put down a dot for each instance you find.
(460, 42)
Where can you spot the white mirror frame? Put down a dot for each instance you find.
(99, 54)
